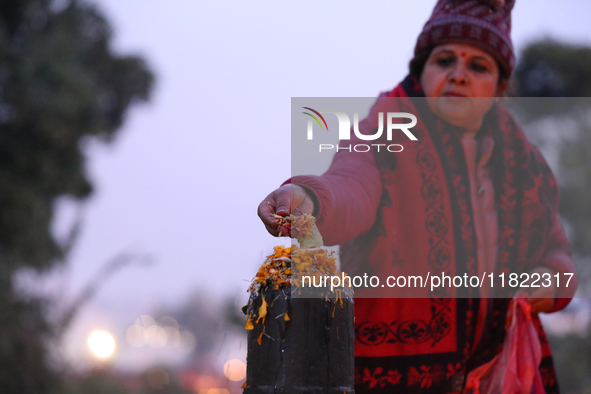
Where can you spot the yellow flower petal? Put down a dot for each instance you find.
(262, 310)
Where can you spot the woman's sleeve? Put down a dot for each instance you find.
(557, 257)
(347, 196)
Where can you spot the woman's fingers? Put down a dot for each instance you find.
(273, 231)
(281, 202)
(292, 199)
(540, 304)
(276, 203)
(541, 299)
(283, 198)
(265, 211)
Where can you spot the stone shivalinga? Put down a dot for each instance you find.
(311, 352)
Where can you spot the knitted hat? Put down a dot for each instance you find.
(485, 24)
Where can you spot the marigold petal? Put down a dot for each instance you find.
(262, 310)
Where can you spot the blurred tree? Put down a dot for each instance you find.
(60, 84)
(575, 196)
(202, 316)
(549, 68)
(562, 71)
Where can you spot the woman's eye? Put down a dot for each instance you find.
(445, 61)
(480, 68)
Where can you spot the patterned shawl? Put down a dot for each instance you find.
(425, 219)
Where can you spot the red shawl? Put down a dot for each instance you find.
(424, 218)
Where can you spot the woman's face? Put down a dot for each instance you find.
(461, 84)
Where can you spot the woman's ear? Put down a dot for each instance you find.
(501, 87)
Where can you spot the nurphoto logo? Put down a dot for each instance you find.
(345, 129)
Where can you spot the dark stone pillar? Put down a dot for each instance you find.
(311, 353)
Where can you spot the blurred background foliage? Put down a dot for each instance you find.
(548, 68)
(562, 72)
(61, 85)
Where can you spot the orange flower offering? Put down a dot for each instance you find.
(276, 272)
(287, 266)
(305, 224)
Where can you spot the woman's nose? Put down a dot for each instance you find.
(458, 75)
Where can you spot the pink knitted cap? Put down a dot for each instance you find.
(485, 24)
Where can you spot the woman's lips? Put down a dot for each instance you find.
(453, 94)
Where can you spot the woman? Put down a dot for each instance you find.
(471, 196)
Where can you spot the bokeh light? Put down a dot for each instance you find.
(164, 332)
(136, 335)
(235, 370)
(173, 337)
(214, 391)
(101, 343)
(156, 337)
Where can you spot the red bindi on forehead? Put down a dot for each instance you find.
(463, 54)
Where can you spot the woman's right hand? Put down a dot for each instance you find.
(282, 202)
